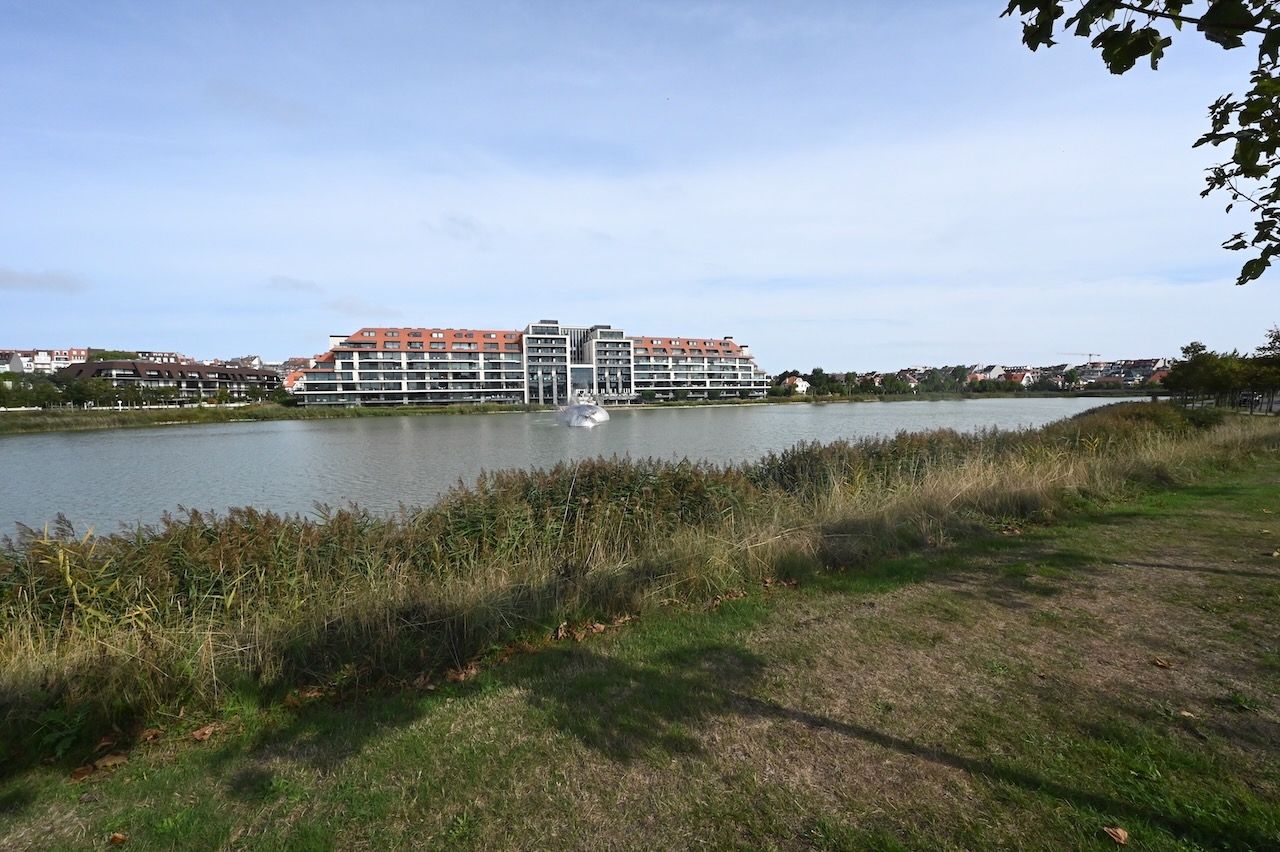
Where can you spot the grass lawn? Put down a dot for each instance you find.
(1024, 690)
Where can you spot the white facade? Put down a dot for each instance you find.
(548, 363)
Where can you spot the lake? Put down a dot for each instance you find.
(108, 478)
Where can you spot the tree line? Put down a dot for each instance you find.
(1228, 378)
(948, 379)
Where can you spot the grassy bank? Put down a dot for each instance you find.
(1028, 688)
(97, 632)
(77, 420)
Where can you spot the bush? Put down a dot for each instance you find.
(1204, 418)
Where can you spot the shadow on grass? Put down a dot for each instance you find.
(628, 711)
(1197, 569)
(15, 801)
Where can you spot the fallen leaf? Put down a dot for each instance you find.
(1119, 835)
(110, 761)
(1186, 714)
(1161, 662)
(105, 743)
(89, 798)
(81, 772)
(460, 675)
(623, 619)
(562, 632)
(1266, 511)
(117, 838)
(596, 628)
(150, 734)
(202, 734)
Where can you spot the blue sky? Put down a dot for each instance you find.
(856, 185)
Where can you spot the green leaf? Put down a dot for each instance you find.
(1225, 22)
(1252, 269)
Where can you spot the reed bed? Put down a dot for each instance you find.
(110, 630)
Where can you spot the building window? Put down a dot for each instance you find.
(437, 344)
(392, 344)
(415, 334)
(415, 345)
(491, 335)
(437, 334)
(368, 334)
(492, 347)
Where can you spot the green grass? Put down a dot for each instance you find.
(77, 420)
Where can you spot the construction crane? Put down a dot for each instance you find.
(1090, 355)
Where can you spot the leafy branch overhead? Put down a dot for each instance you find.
(1126, 32)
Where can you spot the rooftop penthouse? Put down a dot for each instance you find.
(546, 363)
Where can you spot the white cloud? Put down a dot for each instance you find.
(39, 282)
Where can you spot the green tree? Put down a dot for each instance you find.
(1271, 348)
(45, 395)
(894, 385)
(1125, 32)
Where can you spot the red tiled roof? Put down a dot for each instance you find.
(379, 337)
(644, 345)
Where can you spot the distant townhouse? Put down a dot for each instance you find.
(40, 360)
(797, 384)
(546, 363)
(165, 357)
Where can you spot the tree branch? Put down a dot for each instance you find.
(1180, 18)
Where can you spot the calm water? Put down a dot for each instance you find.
(110, 478)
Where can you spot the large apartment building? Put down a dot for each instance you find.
(181, 381)
(548, 363)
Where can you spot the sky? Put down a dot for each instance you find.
(852, 185)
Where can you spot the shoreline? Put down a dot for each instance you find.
(33, 422)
